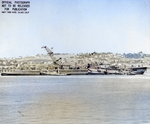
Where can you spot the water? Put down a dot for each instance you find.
(104, 99)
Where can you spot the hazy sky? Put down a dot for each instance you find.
(77, 26)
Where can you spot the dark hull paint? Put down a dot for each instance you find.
(138, 70)
(95, 73)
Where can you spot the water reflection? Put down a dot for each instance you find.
(75, 100)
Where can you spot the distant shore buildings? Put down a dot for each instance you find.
(79, 61)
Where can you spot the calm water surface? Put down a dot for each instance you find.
(75, 99)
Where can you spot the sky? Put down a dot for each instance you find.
(76, 26)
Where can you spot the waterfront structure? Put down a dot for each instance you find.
(43, 63)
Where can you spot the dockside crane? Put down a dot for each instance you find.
(51, 54)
